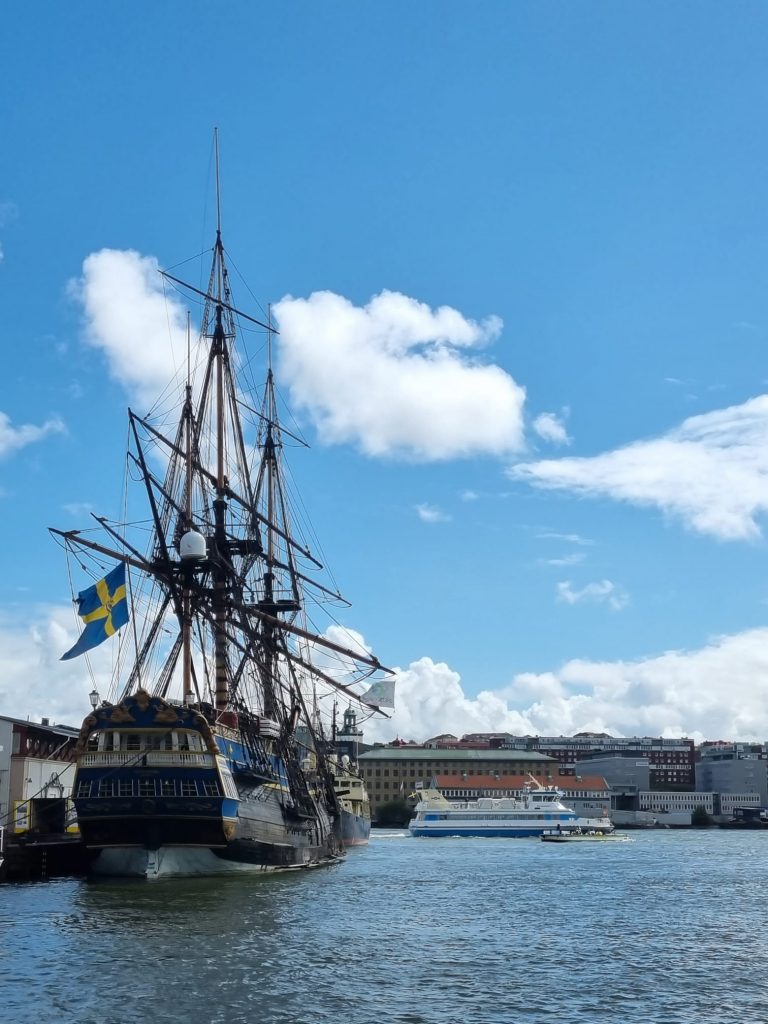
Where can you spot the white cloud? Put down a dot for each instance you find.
(14, 438)
(550, 427)
(469, 496)
(8, 212)
(78, 509)
(429, 700)
(711, 472)
(717, 692)
(141, 330)
(398, 378)
(33, 682)
(573, 559)
(571, 538)
(604, 592)
(431, 514)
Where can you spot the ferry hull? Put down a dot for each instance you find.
(477, 833)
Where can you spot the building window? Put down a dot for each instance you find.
(146, 787)
(168, 787)
(188, 787)
(125, 787)
(105, 787)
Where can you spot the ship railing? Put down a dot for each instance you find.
(153, 758)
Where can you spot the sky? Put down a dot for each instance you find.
(517, 254)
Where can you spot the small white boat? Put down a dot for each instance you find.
(553, 835)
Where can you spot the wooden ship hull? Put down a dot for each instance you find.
(191, 799)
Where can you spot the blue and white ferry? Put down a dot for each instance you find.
(530, 814)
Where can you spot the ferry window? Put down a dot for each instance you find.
(211, 788)
(125, 787)
(152, 741)
(105, 787)
(132, 741)
(146, 787)
(188, 787)
(168, 787)
(84, 789)
(93, 741)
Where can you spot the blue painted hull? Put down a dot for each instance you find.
(355, 829)
(195, 809)
(477, 833)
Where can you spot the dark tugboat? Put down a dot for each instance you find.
(354, 802)
(212, 757)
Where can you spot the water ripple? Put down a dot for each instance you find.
(665, 930)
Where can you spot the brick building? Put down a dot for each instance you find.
(393, 773)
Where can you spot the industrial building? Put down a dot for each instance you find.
(36, 773)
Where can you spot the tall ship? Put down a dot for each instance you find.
(213, 754)
(536, 810)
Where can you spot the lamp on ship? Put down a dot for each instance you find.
(93, 697)
(192, 547)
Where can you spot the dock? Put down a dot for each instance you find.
(29, 858)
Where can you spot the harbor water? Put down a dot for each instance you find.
(666, 929)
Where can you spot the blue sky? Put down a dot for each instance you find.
(592, 174)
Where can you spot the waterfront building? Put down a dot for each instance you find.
(727, 804)
(733, 768)
(670, 761)
(36, 772)
(393, 773)
(675, 808)
(625, 775)
(667, 803)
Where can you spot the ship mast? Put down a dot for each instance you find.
(220, 503)
(271, 471)
(186, 597)
(238, 584)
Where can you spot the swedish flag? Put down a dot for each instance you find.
(103, 608)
